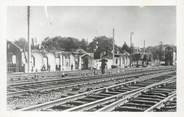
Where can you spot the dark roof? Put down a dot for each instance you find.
(15, 45)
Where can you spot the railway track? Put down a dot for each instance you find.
(52, 76)
(22, 78)
(20, 89)
(144, 100)
(92, 100)
(166, 105)
(30, 77)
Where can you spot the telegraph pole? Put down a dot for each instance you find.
(113, 46)
(28, 37)
(131, 48)
(144, 46)
(131, 35)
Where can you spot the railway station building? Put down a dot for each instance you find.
(42, 60)
(14, 58)
(121, 60)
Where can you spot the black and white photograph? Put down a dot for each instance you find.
(91, 58)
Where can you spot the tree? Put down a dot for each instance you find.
(83, 44)
(101, 45)
(144, 59)
(61, 43)
(22, 43)
(136, 57)
(160, 52)
(168, 55)
(125, 47)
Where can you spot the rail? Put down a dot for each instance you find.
(159, 104)
(129, 97)
(71, 98)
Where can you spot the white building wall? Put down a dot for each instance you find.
(66, 63)
(174, 58)
(61, 60)
(80, 62)
(24, 62)
(45, 62)
(109, 63)
(72, 61)
(127, 61)
(97, 64)
(51, 61)
(36, 62)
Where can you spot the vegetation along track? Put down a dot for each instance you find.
(102, 96)
(20, 89)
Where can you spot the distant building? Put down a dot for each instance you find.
(42, 60)
(14, 58)
(121, 60)
(174, 57)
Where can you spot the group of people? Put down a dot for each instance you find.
(44, 68)
(102, 67)
(58, 68)
(95, 67)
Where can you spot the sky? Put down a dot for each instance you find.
(151, 23)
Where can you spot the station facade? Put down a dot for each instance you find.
(42, 60)
(54, 60)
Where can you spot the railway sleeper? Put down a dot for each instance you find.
(122, 90)
(165, 109)
(148, 98)
(117, 90)
(62, 107)
(86, 99)
(133, 87)
(11, 90)
(140, 85)
(135, 104)
(158, 94)
(171, 103)
(127, 108)
(165, 94)
(171, 86)
(142, 107)
(112, 92)
(98, 107)
(139, 101)
(22, 88)
(96, 96)
(152, 80)
(151, 96)
(170, 106)
(104, 94)
(164, 89)
(76, 102)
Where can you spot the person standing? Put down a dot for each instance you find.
(72, 67)
(94, 68)
(103, 65)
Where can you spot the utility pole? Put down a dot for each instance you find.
(144, 46)
(131, 47)
(113, 46)
(161, 53)
(28, 37)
